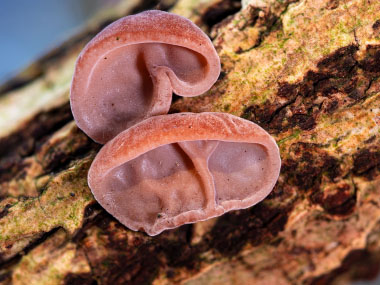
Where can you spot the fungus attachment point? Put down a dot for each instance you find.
(129, 70)
(198, 166)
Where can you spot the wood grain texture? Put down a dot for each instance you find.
(306, 71)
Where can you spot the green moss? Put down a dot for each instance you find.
(51, 209)
(106, 263)
(294, 135)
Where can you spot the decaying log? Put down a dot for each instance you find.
(307, 71)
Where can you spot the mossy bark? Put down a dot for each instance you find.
(306, 71)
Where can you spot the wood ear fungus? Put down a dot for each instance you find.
(128, 71)
(176, 169)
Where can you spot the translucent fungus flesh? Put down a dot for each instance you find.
(129, 71)
(186, 176)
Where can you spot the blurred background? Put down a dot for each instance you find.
(28, 28)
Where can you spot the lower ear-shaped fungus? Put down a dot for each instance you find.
(182, 168)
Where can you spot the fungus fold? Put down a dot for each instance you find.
(129, 70)
(171, 170)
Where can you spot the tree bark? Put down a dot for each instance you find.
(306, 71)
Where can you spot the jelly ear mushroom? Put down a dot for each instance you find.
(129, 70)
(198, 166)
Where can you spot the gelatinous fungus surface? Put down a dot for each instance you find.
(129, 70)
(182, 168)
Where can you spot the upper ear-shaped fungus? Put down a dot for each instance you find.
(129, 70)
(182, 168)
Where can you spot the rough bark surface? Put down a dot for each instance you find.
(307, 71)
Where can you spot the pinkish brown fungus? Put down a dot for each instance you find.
(128, 71)
(182, 168)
